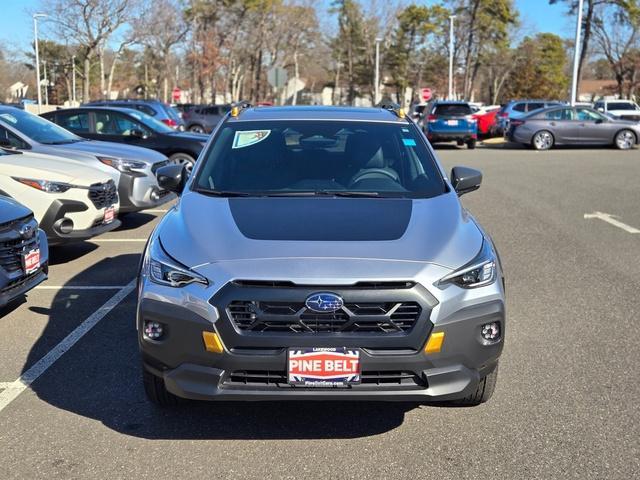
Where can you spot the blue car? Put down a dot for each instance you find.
(24, 253)
(155, 108)
(451, 121)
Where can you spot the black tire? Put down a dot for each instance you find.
(483, 392)
(156, 391)
(183, 158)
(471, 144)
(196, 128)
(542, 140)
(460, 142)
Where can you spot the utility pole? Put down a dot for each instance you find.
(73, 81)
(451, 18)
(576, 55)
(46, 83)
(377, 73)
(35, 41)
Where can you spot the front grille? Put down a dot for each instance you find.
(295, 317)
(356, 286)
(12, 245)
(156, 166)
(278, 378)
(103, 194)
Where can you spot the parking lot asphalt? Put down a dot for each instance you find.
(566, 403)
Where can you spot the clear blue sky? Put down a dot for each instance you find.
(16, 27)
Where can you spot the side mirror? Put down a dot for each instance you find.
(465, 179)
(172, 178)
(600, 120)
(138, 133)
(4, 142)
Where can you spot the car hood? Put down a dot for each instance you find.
(48, 167)
(111, 149)
(11, 210)
(203, 230)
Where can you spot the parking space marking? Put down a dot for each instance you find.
(106, 240)
(611, 219)
(79, 287)
(13, 389)
(155, 211)
(4, 385)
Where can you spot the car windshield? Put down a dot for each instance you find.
(452, 110)
(296, 158)
(37, 128)
(150, 122)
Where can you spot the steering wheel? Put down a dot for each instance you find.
(369, 172)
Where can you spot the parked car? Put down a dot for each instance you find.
(132, 127)
(154, 108)
(204, 118)
(622, 109)
(132, 168)
(451, 121)
(517, 109)
(24, 252)
(486, 118)
(271, 282)
(72, 202)
(572, 126)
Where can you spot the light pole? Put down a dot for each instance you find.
(46, 83)
(377, 75)
(451, 18)
(73, 81)
(576, 55)
(35, 40)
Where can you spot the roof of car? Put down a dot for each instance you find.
(317, 113)
(450, 102)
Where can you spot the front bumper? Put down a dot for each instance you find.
(60, 209)
(190, 371)
(435, 136)
(139, 191)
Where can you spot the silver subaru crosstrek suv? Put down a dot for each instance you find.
(320, 253)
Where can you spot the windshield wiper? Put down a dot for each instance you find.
(222, 193)
(60, 142)
(323, 193)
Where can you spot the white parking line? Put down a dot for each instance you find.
(107, 240)
(155, 211)
(79, 287)
(611, 219)
(13, 389)
(4, 385)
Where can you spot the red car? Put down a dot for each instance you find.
(486, 120)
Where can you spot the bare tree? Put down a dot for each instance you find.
(90, 24)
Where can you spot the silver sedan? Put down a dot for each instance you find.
(565, 125)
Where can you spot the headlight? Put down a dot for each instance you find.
(121, 164)
(478, 272)
(45, 185)
(163, 269)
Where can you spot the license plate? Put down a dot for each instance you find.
(323, 367)
(452, 123)
(31, 261)
(109, 214)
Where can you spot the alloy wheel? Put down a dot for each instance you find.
(543, 141)
(625, 140)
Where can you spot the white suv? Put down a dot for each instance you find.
(622, 109)
(71, 202)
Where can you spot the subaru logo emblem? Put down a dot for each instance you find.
(324, 302)
(26, 231)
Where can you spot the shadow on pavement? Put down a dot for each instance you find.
(131, 221)
(67, 253)
(100, 378)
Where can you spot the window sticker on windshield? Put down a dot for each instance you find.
(406, 130)
(409, 142)
(9, 118)
(245, 138)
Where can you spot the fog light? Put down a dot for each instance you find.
(491, 331)
(155, 196)
(153, 330)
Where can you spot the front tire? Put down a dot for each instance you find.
(483, 392)
(625, 140)
(183, 159)
(196, 129)
(156, 392)
(471, 144)
(543, 140)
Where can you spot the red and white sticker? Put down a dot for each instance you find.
(31, 261)
(109, 214)
(323, 367)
